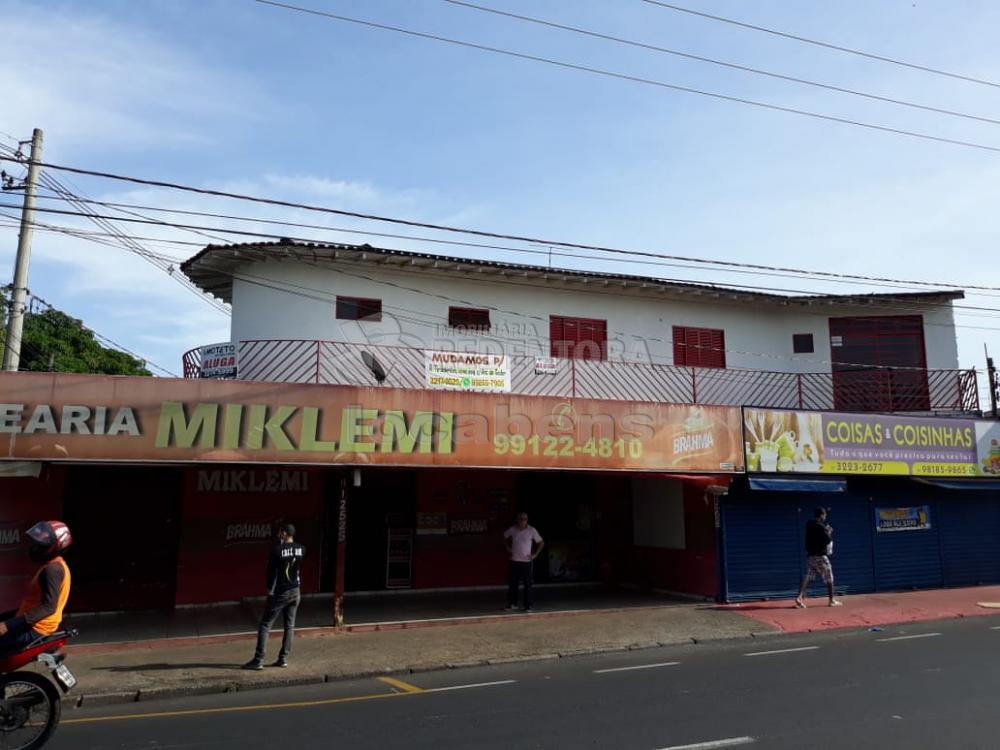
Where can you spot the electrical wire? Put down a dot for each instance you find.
(898, 305)
(496, 235)
(922, 306)
(113, 343)
(722, 63)
(123, 240)
(827, 45)
(632, 78)
(478, 245)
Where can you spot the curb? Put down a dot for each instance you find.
(227, 686)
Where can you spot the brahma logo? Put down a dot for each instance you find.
(248, 533)
(10, 538)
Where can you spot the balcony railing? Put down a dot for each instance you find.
(875, 390)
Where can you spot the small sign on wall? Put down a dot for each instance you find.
(546, 365)
(432, 524)
(916, 518)
(218, 361)
(467, 371)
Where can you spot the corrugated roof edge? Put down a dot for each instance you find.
(196, 270)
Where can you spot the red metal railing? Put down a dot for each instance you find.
(875, 390)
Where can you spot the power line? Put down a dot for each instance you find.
(827, 45)
(895, 304)
(481, 233)
(633, 79)
(722, 63)
(130, 244)
(90, 234)
(123, 240)
(460, 243)
(113, 343)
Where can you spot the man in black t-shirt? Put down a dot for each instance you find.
(283, 568)
(819, 541)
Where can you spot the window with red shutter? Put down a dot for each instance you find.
(470, 318)
(578, 338)
(699, 347)
(359, 308)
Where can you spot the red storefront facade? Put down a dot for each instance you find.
(207, 470)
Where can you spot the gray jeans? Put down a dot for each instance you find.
(286, 604)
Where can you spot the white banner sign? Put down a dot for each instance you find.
(466, 371)
(546, 365)
(218, 361)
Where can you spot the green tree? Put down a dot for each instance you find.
(53, 341)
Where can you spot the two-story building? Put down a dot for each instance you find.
(400, 407)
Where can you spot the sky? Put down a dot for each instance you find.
(241, 96)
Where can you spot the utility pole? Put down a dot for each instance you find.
(991, 378)
(15, 318)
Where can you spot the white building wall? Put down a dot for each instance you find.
(415, 310)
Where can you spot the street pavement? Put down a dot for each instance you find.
(142, 670)
(149, 670)
(923, 685)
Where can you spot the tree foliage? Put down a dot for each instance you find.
(52, 341)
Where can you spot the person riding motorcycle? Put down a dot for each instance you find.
(41, 610)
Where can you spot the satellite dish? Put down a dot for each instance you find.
(375, 366)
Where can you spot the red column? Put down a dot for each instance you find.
(338, 593)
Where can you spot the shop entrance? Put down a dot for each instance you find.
(125, 536)
(383, 504)
(564, 508)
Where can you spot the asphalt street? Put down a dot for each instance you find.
(927, 685)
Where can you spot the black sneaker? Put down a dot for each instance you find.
(280, 663)
(253, 664)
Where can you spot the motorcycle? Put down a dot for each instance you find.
(30, 705)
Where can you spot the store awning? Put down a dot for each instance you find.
(798, 484)
(715, 484)
(20, 468)
(982, 485)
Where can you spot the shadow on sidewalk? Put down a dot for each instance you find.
(316, 611)
(162, 667)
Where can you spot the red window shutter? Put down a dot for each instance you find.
(699, 347)
(680, 346)
(469, 317)
(557, 345)
(578, 338)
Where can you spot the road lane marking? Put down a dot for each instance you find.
(272, 706)
(400, 685)
(782, 651)
(466, 687)
(995, 627)
(730, 742)
(235, 709)
(641, 666)
(906, 637)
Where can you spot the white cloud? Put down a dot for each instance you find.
(88, 80)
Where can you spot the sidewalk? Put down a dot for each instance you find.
(361, 611)
(150, 669)
(871, 610)
(146, 671)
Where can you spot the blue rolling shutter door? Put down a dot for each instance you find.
(907, 559)
(762, 541)
(764, 554)
(851, 519)
(969, 533)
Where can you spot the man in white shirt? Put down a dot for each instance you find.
(520, 540)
